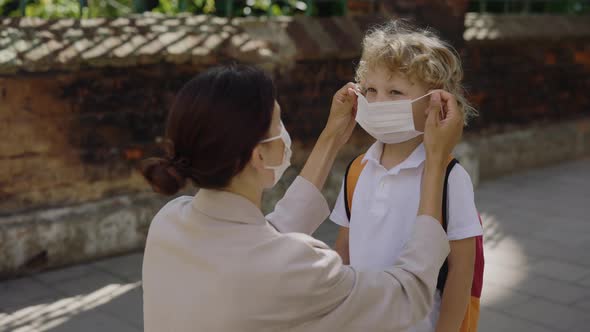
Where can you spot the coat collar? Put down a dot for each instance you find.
(227, 206)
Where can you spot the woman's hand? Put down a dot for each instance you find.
(444, 126)
(443, 129)
(336, 133)
(341, 121)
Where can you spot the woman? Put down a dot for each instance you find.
(214, 262)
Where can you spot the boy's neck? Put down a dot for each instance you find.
(394, 154)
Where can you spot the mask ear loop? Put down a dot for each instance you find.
(441, 114)
(428, 94)
(274, 138)
(360, 95)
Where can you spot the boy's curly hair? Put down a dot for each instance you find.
(419, 54)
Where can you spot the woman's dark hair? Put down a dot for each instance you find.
(215, 122)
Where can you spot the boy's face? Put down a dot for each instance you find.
(381, 84)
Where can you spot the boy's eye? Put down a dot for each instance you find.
(370, 90)
(396, 92)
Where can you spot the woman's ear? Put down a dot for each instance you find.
(256, 159)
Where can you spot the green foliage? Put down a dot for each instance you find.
(67, 8)
(263, 7)
(109, 8)
(577, 7)
(53, 9)
(192, 6)
(116, 8)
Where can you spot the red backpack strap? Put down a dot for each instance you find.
(477, 285)
(351, 177)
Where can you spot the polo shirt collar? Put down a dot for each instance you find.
(414, 160)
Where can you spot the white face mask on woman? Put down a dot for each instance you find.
(390, 122)
(280, 169)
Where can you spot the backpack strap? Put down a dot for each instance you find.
(445, 201)
(351, 177)
(444, 270)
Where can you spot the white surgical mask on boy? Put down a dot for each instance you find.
(280, 169)
(389, 122)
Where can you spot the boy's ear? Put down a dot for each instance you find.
(419, 112)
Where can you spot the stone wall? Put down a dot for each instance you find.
(530, 147)
(82, 102)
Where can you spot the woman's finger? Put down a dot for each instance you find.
(451, 107)
(344, 95)
(434, 110)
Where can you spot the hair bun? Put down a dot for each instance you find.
(162, 175)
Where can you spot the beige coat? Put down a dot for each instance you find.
(213, 262)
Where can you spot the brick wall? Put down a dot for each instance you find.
(446, 17)
(305, 94)
(519, 82)
(73, 137)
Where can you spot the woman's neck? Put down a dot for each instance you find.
(394, 154)
(240, 186)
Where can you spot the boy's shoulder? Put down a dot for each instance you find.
(459, 177)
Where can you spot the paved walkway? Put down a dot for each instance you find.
(537, 278)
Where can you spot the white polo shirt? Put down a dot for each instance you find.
(384, 208)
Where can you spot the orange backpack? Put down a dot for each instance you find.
(470, 321)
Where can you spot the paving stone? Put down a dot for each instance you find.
(127, 307)
(512, 258)
(583, 325)
(127, 267)
(25, 291)
(38, 315)
(64, 274)
(52, 313)
(553, 315)
(551, 250)
(88, 284)
(585, 282)
(494, 321)
(579, 257)
(559, 270)
(501, 298)
(556, 291)
(94, 321)
(583, 304)
(504, 276)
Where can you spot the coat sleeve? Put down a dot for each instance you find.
(329, 296)
(301, 210)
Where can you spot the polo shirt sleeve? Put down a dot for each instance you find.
(463, 220)
(338, 215)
